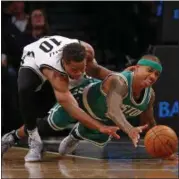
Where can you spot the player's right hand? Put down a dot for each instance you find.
(134, 133)
(110, 130)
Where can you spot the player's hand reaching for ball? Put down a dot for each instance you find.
(134, 133)
(110, 130)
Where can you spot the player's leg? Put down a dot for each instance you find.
(29, 108)
(13, 137)
(69, 143)
(57, 119)
(80, 132)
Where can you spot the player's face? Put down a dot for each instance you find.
(147, 76)
(37, 18)
(75, 69)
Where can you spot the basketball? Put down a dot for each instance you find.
(161, 141)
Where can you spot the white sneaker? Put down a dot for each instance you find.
(7, 142)
(67, 145)
(35, 151)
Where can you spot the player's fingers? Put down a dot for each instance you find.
(145, 126)
(115, 135)
(134, 142)
(112, 131)
(114, 128)
(141, 128)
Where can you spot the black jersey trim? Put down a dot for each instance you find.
(48, 66)
(33, 71)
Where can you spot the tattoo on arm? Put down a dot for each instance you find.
(147, 117)
(118, 89)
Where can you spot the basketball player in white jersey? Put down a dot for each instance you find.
(64, 63)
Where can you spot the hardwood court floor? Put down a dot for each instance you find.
(53, 166)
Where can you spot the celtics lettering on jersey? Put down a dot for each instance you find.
(130, 111)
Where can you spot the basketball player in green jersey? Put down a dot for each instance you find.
(120, 96)
(117, 98)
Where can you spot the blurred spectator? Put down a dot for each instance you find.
(14, 21)
(37, 27)
(14, 13)
(15, 40)
(19, 17)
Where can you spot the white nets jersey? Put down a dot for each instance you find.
(47, 52)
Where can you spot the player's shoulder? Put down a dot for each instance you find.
(121, 77)
(116, 78)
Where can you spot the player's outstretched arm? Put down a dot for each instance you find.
(66, 99)
(147, 117)
(93, 69)
(116, 88)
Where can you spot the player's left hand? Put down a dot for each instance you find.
(110, 130)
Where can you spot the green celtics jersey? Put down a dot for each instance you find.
(94, 99)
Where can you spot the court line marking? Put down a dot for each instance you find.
(86, 142)
(68, 155)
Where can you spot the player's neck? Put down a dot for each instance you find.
(136, 88)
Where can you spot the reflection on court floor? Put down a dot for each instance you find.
(89, 162)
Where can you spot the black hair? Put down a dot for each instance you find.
(73, 52)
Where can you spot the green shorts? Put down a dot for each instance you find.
(58, 118)
(93, 136)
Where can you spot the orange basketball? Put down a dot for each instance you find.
(161, 141)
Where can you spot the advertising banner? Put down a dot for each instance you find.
(167, 87)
